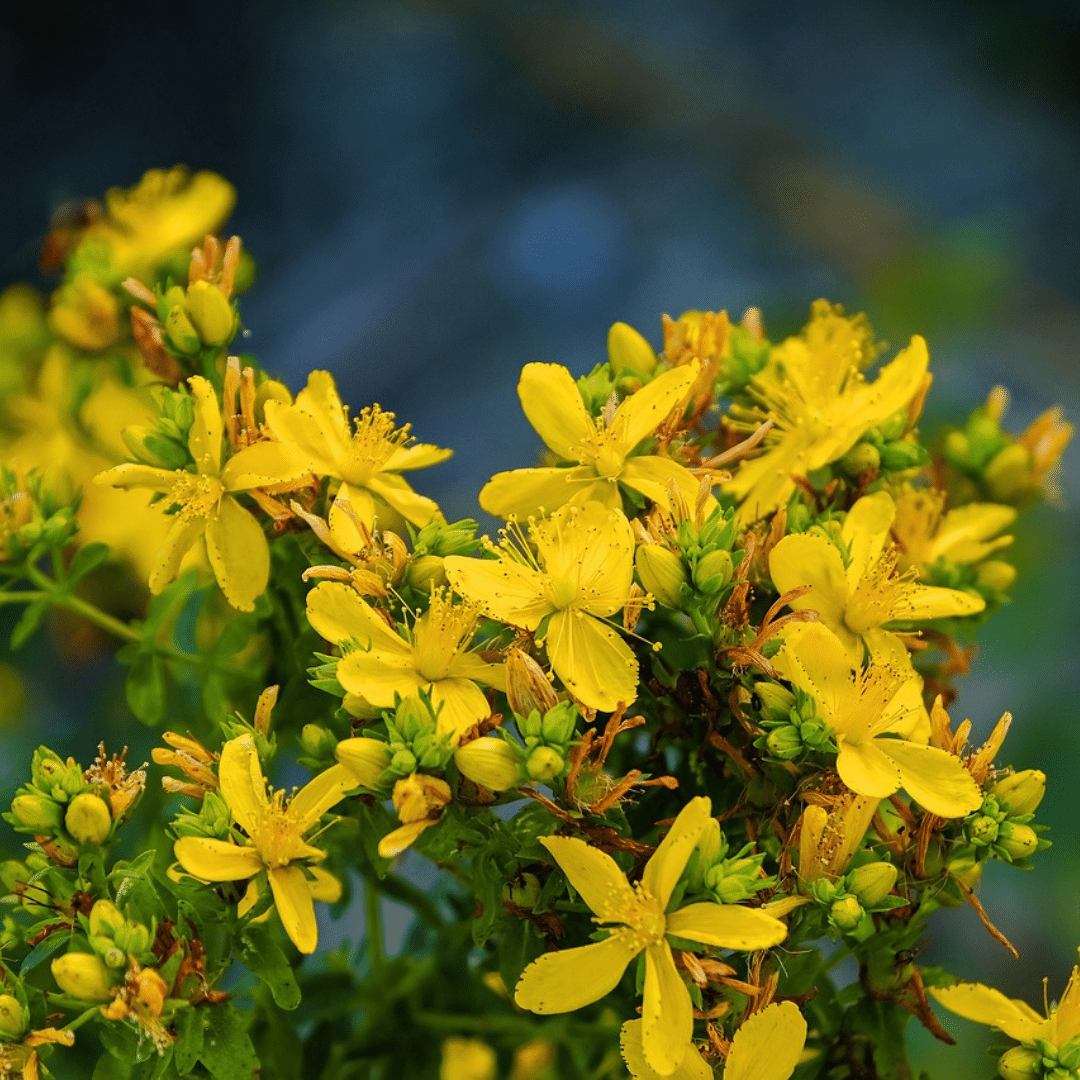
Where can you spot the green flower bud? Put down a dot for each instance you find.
(862, 457)
(711, 846)
(12, 1017)
(88, 819)
(901, 455)
(425, 572)
(133, 939)
(366, 759)
(982, 830)
(83, 975)
(182, 335)
(105, 919)
(965, 868)
(893, 428)
(735, 881)
(1008, 477)
(799, 517)
(490, 762)
(48, 769)
(713, 572)
(995, 574)
(1019, 841)
(413, 718)
(403, 762)
(629, 351)
(210, 313)
(37, 812)
(544, 763)
(776, 700)
(984, 436)
(872, 883)
(559, 724)
(846, 914)
(957, 449)
(215, 814)
(317, 741)
(661, 572)
(523, 891)
(13, 875)
(1020, 793)
(114, 957)
(1020, 1063)
(784, 743)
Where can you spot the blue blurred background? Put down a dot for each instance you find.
(439, 192)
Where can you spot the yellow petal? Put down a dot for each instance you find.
(319, 795)
(504, 589)
(379, 675)
(768, 1045)
(985, 1005)
(643, 412)
(550, 399)
(667, 1013)
(667, 863)
(401, 838)
(178, 540)
(131, 475)
(866, 770)
(323, 885)
(243, 785)
(292, 898)
(395, 492)
(339, 615)
(897, 383)
(865, 531)
(594, 663)
(765, 483)
(321, 401)
(366, 759)
(653, 476)
(692, 1067)
(204, 439)
(918, 602)
(1067, 1016)
(569, 979)
(264, 464)
(594, 874)
(350, 506)
(460, 704)
(238, 554)
(809, 559)
(216, 860)
(417, 456)
(249, 899)
(295, 426)
(815, 660)
(525, 493)
(727, 926)
(964, 534)
(933, 778)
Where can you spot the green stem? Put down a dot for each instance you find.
(700, 625)
(373, 914)
(22, 597)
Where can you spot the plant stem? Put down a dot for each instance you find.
(373, 914)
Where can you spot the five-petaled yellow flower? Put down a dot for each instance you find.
(820, 403)
(367, 457)
(857, 598)
(235, 543)
(581, 576)
(433, 655)
(600, 452)
(863, 706)
(638, 920)
(275, 842)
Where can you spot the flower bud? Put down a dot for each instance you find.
(317, 741)
(1020, 793)
(862, 457)
(420, 797)
(982, 830)
(995, 574)
(366, 759)
(1019, 841)
(661, 572)
(85, 313)
(426, 572)
(52, 774)
(957, 449)
(776, 700)
(12, 1017)
(544, 763)
(711, 845)
(83, 975)
(133, 939)
(1020, 1063)
(467, 1059)
(88, 819)
(894, 427)
(413, 718)
(13, 874)
(846, 914)
(713, 572)
(901, 455)
(528, 689)
(523, 891)
(181, 333)
(560, 723)
(629, 351)
(872, 883)
(210, 313)
(1009, 477)
(784, 743)
(36, 812)
(403, 762)
(105, 919)
(490, 762)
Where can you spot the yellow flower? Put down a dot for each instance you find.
(631, 1042)
(856, 599)
(864, 705)
(168, 209)
(235, 543)
(467, 1059)
(581, 576)
(768, 1045)
(572, 978)
(85, 313)
(601, 450)
(434, 655)
(275, 830)
(926, 532)
(419, 801)
(820, 403)
(367, 458)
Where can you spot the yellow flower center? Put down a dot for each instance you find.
(275, 832)
(860, 718)
(441, 635)
(196, 494)
(561, 591)
(376, 438)
(643, 916)
(604, 450)
(879, 595)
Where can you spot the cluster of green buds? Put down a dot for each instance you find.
(164, 444)
(32, 521)
(212, 819)
(890, 447)
(1002, 827)
(850, 901)
(746, 355)
(791, 722)
(37, 887)
(413, 737)
(431, 545)
(1041, 1061)
(61, 808)
(117, 939)
(728, 879)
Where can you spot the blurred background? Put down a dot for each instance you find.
(437, 193)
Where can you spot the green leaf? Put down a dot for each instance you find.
(43, 950)
(87, 558)
(264, 958)
(147, 689)
(28, 622)
(520, 943)
(189, 1026)
(126, 1042)
(111, 1068)
(227, 1051)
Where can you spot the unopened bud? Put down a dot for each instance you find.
(523, 891)
(661, 572)
(181, 333)
(1020, 793)
(629, 351)
(902, 455)
(862, 457)
(83, 975)
(490, 762)
(544, 763)
(957, 448)
(995, 574)
(366, 759)
(560, 723)
(403, 762)
(13, 874)
(414, 718)
(88, 819)
(1009, 476)
(846, 914)
(105, 919)
(713, 572)
(1019, 841)
(893, 428)
(37, 812)
(12, 1017)
(711, 845)
(425, 572)
(982, 830)
(784, 743)
(872, 883)
(420, 797)
(317, 741)
(210, 312)
(776, 700)
(1020, 1063)
(528, 689)
(133, 939)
